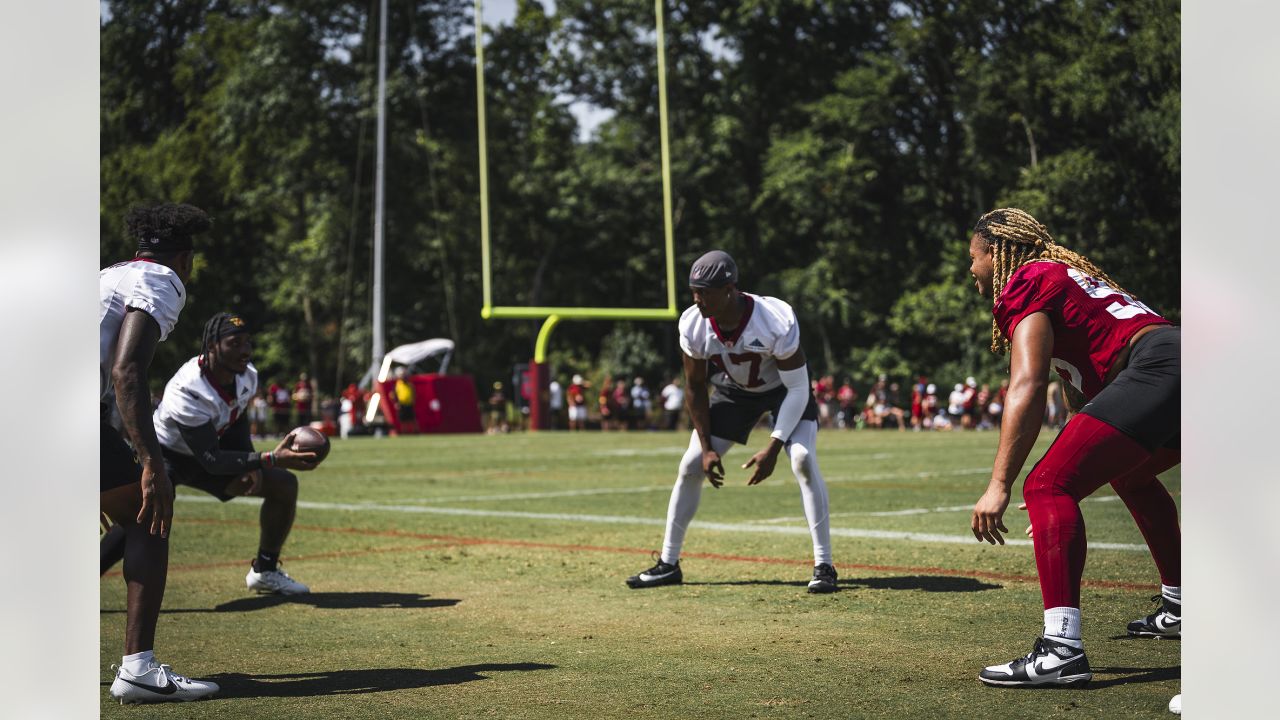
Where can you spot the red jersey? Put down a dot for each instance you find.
(1092, 321)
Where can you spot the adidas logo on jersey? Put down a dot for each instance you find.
(755, 344)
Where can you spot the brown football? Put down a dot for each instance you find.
(308, 439)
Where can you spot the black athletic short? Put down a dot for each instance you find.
(186, 470)
(735, 412)
(119, 466)
(1144, 400)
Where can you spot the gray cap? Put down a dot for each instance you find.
(712, 270)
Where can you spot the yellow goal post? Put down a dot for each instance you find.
(553, 315)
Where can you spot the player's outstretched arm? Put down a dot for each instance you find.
(139, 335)
(795, 377)
(699, 407)
(1024, 409)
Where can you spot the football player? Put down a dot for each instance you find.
(746, 347)
(203, 427)
(1055, 308)
(139, 304)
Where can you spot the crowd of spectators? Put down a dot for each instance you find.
(619, 404)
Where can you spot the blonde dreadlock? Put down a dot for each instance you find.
(1017, 239)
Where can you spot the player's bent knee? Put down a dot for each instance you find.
(1043, 484)
(280, 483)
(801, 463)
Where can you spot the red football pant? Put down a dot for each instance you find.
(1088, 454)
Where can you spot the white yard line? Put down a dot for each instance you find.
(914, 476)
(908, 511)
(659, 522)
(540, 495)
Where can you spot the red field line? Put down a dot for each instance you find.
(317, 556)
(440, 540)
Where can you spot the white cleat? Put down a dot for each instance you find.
(158, 684)
(274, 581)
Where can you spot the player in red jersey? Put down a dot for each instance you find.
(1053, 307)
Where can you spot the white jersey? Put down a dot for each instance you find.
(149, 286)
(192, 399)
(746, 359)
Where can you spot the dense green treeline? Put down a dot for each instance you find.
(840, 150)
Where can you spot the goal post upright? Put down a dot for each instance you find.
(552, 316)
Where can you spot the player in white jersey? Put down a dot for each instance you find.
(747, 347)
(203, 427)
(139, 304)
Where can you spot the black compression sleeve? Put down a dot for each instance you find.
(203, 441)
(237, 436)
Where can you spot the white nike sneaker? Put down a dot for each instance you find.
(1164, 623)
(1049, 663)
(274, 581)
(158, 684)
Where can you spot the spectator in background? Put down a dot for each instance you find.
(497, 405)
(847, 398)
(620, 405)
(870, 417)
(258, 412)
(891, 402)
(917, 403)
(278, 396)
(824, 391)
(605, 401)
(996, 408)
(302, 397)
(555, 403)
(352, 410)
(641, 404)
(969, 420)
(930, 409)
(578, 403)
(982, 403)
(1055, 411)
(955, 405)
(405, 397)
(672, 404)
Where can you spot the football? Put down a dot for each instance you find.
(308, 439)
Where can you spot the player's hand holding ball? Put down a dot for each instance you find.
(303, 448)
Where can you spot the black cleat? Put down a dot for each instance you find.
(1165, 623)
(824, 579)
(1049, 664)
(660, 574)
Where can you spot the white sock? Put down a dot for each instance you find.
(686, 495)
(1063, 624)
(813, 490)
(138, 663)
(1173, 592)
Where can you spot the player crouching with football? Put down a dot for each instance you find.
(203, 428)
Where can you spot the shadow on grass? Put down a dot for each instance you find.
(356, 682)
(322, 600)
(927, 583)
(1133, 675)
(1144, 638)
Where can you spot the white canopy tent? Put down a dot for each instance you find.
(410, 354)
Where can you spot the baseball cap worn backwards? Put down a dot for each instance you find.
(712, 270)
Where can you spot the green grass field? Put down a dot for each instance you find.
(482, 576)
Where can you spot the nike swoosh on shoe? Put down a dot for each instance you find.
(169, 689)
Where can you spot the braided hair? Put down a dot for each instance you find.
(1017, 239)
(219, 326)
